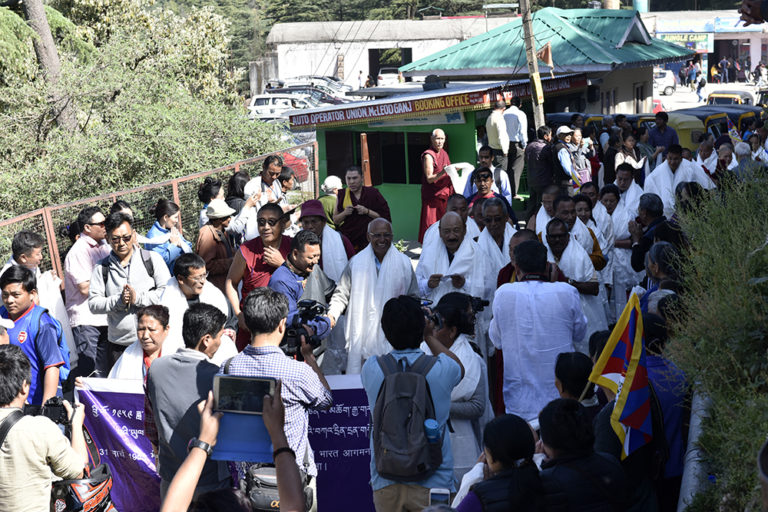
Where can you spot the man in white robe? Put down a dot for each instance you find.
(373, 276)
(630, 191)
(565, 210)
(189, 286)
(574, 262)
(538, 223)
(456, 203)
(494, 239)
(453, 263)
(600, 216)
(547, 320)
(663, 180)
(336, 249)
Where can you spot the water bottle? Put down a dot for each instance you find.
(432, 430)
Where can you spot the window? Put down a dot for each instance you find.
(417, 143)
(639, 97)
(341, 151)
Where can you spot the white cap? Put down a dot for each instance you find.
(563, 130)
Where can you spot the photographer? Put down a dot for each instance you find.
(291, 278)
(303, 385)
(35, 447)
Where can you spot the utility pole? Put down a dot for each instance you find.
(537, 94)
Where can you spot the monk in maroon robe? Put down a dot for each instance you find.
(356, 207)
(436, 185)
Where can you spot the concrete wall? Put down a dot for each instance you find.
(620, 84)
(321, 58)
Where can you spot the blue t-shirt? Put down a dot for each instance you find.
(442, 378)
(290, 284)
(42, 351)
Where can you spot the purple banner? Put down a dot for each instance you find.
(340, 439)
(114, 417)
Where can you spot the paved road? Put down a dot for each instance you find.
(684, 97)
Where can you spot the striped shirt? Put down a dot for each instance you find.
(302, 390)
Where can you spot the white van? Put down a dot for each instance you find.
(264, 106)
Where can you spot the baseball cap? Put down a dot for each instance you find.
(563, 130)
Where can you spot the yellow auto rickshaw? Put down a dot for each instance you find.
(689, 129)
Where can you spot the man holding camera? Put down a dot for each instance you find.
(291, 278)
(303, 384)
(32, 447)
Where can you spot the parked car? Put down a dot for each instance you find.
(664, 81)
(330, 82)
(387, 76)
(264, 106)
(658, 106)
(318, 93)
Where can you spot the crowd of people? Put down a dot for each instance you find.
(517, 312)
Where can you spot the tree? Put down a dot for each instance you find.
(156, 101)
(48, 58)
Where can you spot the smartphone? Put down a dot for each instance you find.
(439, 497)
(243, 395)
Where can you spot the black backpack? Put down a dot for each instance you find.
(400, 446)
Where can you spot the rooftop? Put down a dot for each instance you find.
(382, 30)
(582, 40)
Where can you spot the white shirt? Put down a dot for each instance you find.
(517, 125)
(533, 322)
(662, 182)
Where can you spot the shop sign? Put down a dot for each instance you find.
(699, 42)
(420, 107)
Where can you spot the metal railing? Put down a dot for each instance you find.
(49, 221)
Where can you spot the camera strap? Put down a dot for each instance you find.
(8, 423)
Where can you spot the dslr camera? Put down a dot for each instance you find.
(53, 409)
(478, 304)
(308, 310)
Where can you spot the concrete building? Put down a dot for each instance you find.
(350, 49)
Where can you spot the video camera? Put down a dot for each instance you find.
(431, 316)
(308, 310)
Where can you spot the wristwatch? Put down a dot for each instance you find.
(570, 281)
(196, 443)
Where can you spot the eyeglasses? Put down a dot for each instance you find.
(199, 279)
(496, 218)
(383, 236)
(271, 222)
(126, 239)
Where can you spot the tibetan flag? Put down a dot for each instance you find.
(622, 369)
(733, 133)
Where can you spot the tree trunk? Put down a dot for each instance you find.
(48, 58)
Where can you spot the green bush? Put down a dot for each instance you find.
(719, 337)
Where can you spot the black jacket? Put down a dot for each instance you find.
(583, 482)
(517, 489)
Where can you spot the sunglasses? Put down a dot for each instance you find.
(96, 223)
(126, 239)
(264, 222)
(484, 177)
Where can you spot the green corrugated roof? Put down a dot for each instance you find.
(581, 39)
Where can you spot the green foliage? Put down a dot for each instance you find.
(155, 101)
(720, 337)
(16, 37)
(15, 46)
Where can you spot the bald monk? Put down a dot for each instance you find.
(436, 185)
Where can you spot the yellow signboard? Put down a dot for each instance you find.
(537, 89)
